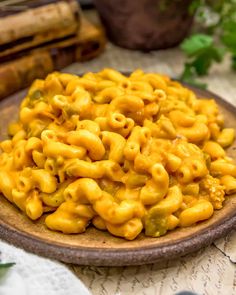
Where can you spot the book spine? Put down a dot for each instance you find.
(62, 14)
(91, 41)
(9, 7)
(21, 72)
(52, 36)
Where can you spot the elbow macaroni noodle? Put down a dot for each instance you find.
(125, 154)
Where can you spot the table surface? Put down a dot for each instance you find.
(208, 271)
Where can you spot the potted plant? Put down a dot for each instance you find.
(145, 24)
(214, 39)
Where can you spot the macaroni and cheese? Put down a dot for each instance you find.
(125, 154)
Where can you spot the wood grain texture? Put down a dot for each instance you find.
(100, 248)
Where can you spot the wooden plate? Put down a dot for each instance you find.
(100, 248)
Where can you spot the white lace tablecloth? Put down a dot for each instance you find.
(210, 271)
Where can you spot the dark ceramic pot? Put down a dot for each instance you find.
(145, 24)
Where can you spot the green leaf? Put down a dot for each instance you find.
(228, 38)
(202, 52)
(229, 25)
(189, 76)
(228, 35)
(188, 72)
(4, 267)
(202, 65)
(218, 53)
(194, 6)
(203, 61)
(234, 62)
(202, 49)
(195, 44)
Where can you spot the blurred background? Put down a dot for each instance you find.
(41, 36)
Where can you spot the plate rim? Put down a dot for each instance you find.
(152, 253)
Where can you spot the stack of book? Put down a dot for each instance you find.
(39, 36)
